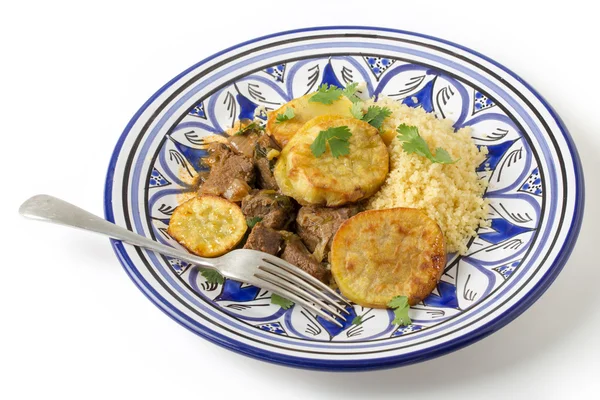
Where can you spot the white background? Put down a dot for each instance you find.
(73, 326)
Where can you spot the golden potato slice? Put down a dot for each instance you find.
(388, 132)
(208, 226)
(380, 254)
(304, 111)
(327, 180)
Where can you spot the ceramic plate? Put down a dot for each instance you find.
(535, 190)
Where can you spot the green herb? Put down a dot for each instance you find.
(357, 320)
(286, 116)
(414, 143)
(281, 301)
(338, 142)
(357, 110)
(375, 115)
(253, 221)
(212, 276)
(253, 126)
(326, 95)
(401, 307)
(350, 92)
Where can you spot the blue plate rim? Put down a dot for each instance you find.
(393, 361)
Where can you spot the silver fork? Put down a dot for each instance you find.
(254, 267)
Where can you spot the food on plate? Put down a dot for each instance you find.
(231, 174)
(275, 210)
(265, 151)
(317, 225)
(207, 225)
(330, 179)
(263, 238)
(369, 192)
(451, 194)
(296, 253)
(379, 254)
(413, 142)
(303, 111)
(401, 307)
(375, 116)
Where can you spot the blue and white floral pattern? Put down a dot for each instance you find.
(535, 192)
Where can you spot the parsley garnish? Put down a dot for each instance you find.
(326, 95)
(350, 92)
(329, 94)
(414, 143)
(212, 276)
(281, 301)
(253, 221)
(375, 115)
(338, 142)
(253, 126)
(357, 320)
(286, 116)
(401, 307)
(357, 110)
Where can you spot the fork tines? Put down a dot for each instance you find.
(294, 284)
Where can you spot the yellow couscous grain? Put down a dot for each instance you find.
(451, 194)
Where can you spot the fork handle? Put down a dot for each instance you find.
(47, 208)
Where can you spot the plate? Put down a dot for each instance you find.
(536, 192)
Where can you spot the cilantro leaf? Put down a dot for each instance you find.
(356, 110)
(350, 92)
(212, 276)
(401, 317)
(371, 113)
(253, 126)
(398, 302)
(286, 116)
(414, 143)
(357, 320)
(281, 301)
(375, 115)
(337, 138)
(377, 121)
(443, 157)
(401, 307)
(326, 95)
(253, 221)
(319, 145)
(407, 132)
(339, 147)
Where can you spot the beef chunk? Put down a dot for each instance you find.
(264, 166)
(276, 210)
(264, 239)
(265, 178)
(317, 226)
(297, 254)
(244, 144)
(230, 174)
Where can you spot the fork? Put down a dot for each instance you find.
(250, 266)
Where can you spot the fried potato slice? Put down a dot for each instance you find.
(208, 226)
(304, 110)
(327, 180)
(388, 131)
(380, 254)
